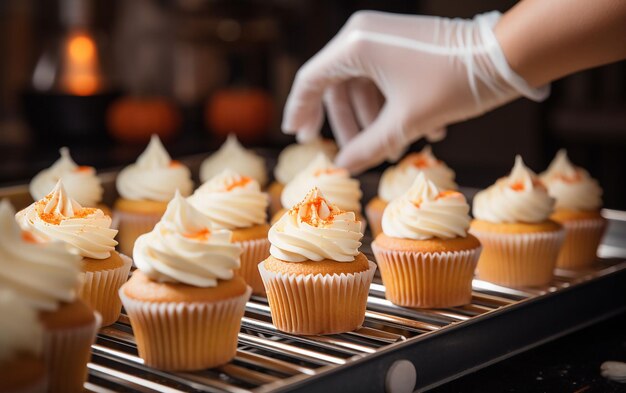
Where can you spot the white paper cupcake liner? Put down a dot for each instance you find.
(580, 247)
(254, 251)
(427, 280)
(186, 336)
(66, 353)
(131, 226)
(99, 289)
(518, 259)
(317, 303)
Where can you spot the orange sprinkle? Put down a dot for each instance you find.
(84, 212)
(174, 164)
(238, 183)
(83, 168)
(447, 193)
(417, 160)
(517, 186)
(312, 216)
(51, 218)
(28, 237)
(571, 179)
(202, 234)
(328, 171)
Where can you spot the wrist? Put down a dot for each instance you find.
(507, 67)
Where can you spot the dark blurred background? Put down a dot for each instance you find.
(99, 76)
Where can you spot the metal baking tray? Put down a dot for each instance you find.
(398, 349)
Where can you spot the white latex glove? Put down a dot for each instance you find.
(431, 71)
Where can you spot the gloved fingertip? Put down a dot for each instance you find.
(305, 137)
(436, 135)
(346, 161)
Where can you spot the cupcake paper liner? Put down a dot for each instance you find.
(131, 226)
(254, 251)
(99, 290)
(427, 280)
(520, 259)
(580, 247)
(66, 353)
(317, 303)
(375, 218)
(186, 336)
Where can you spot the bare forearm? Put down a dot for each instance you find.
(544, 40)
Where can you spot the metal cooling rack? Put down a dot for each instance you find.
(498, 323)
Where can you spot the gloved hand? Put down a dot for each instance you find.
(431, 71)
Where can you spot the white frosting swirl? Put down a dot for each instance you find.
(423, 212)
(182, 248)
(336, 183)
(80, 182)
(294, 158)
(315, 230)
(231, 201)
(42, 274)
(572, 186)
(231, 155)
(154, 176)
(20, 328)
(520, 197)
(396, 180)
(86, 231)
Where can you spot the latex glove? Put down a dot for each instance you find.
(431, 71)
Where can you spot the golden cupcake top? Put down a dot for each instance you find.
(57, 217)
(315, 229)
(155, 176)
(41, 274)
(571, 186)
(80, 182)
(333, 181)
(424, 212)
(294, 158)
(396, 180)
(232, 155)
(184, 248)
(21, 331)
(231, 201)
(519, 197)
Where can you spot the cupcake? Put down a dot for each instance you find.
(578, 202)
(145, 188)
(235, 157)
(184, 302)
(396, 180)
(512, 221)
(22, 368)
(336, 184)
(425, 255)
(81, 182)
(234, 202)
(291, 161)
(87, 232)
(46, 276)
(316, 279)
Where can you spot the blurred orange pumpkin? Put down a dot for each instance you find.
(245, 112)
(134, 119)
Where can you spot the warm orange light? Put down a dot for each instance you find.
(81, 74)
(82, 49)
